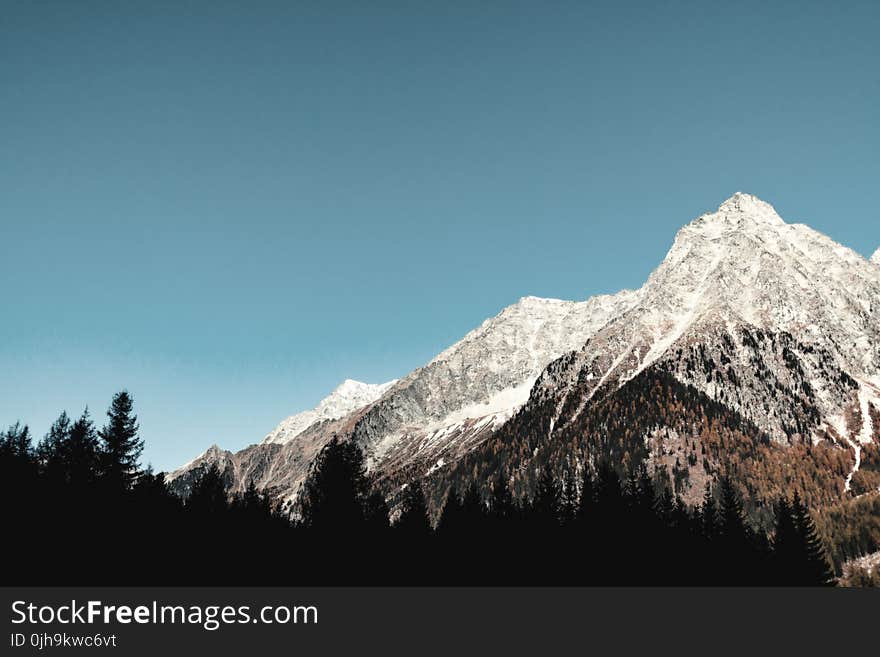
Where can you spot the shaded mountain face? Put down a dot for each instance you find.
(752, 350)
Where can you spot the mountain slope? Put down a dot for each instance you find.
(443, 408)
(752, 352)
(732, 277)
(436, 412)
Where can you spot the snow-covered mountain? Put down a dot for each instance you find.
(347, 397)
(738, 268)
(436, 412)
(773, 326)
(876, 257)
(466, 391)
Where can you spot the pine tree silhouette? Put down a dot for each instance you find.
(814, 567)
(730, 512)
(546, 507)
(121, 446)
(209, 496)
(413, 524)
(50, 449)
(16, 442)
(710, 522)
(79, 453)
(332, 495)
(568, 498)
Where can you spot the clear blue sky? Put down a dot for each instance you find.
(229, 207)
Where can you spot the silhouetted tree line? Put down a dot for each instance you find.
(78, 509)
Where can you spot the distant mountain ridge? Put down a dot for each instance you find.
(754, 348)
(440, 409)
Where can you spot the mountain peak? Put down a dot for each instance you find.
(876, 257)
(749, 204)
(350, 385)
(348, 396)
(740, 213)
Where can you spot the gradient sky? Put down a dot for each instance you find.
(229, 207)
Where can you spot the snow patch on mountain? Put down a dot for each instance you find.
(349, 396)
(876, 257)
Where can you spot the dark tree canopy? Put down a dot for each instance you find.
(579, 523)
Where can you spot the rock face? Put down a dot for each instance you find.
(446, 407)
(436, 412)
(772, 327)
(347, 397)
(788, 307)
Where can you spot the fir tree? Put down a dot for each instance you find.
(15, 442)
(501, 505)
(730, 512)
(50, 449)
(121, 446)
(786, 545)
(413, 521)
(79, 452)
(587, 497)
(814, 566)
(376, 513)
(666, 507)
(709, 513)
(335, 490)
(547, 501)
(209, 496)
(569, 498)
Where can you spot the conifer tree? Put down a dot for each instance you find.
(815, 569)
(121, 446)
(252, 504)
(452, 517)
(569, 498)
(502, 507)
(786, 544)
(413, 521)
(335, 490)
(587, 497)
(547, 501)
(709, 513)
(50, 449)
(730, 512)
(376, 512)
(209, 496)
(15, 442)
(473, 511)
(17, 465)
(79, 452)
(647, 498)
(666, 507)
